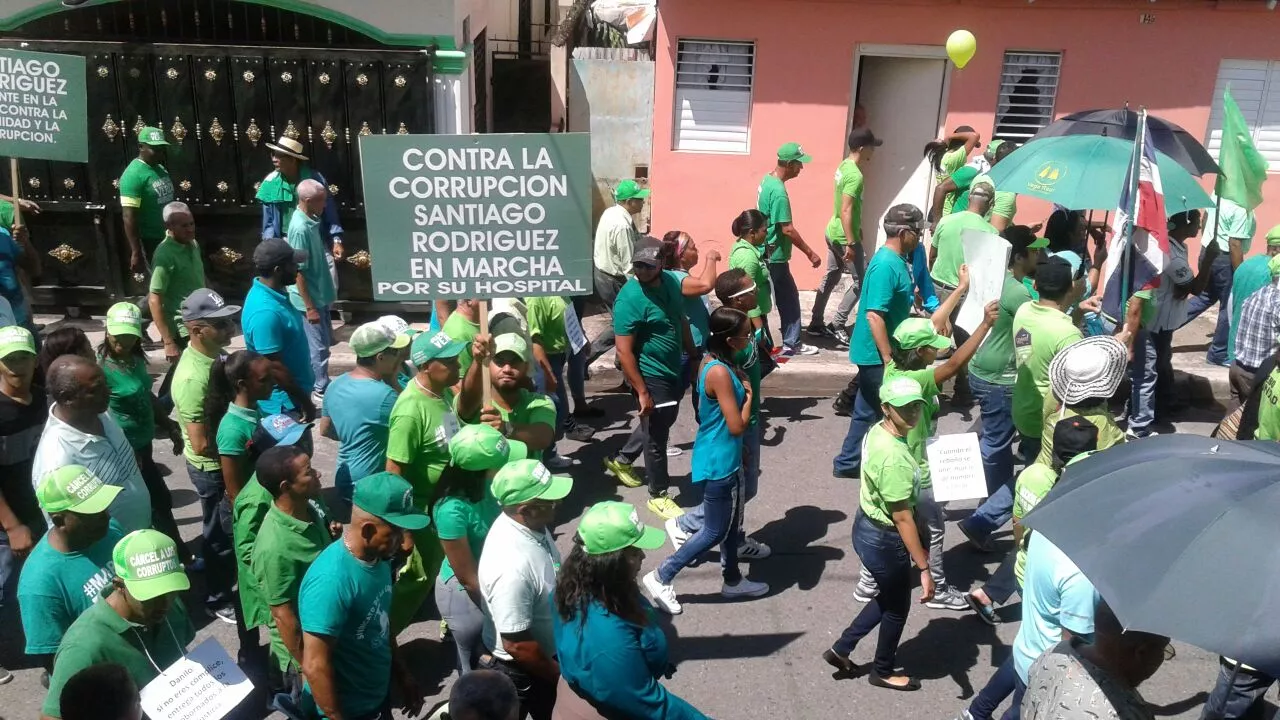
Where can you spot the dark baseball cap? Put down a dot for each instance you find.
(205, 304)
(1053, 275)
(647, 254)
(274, 252)
(1071, 437)
(863, 137)
(905, 214)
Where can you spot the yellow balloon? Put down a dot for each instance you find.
(961, 46)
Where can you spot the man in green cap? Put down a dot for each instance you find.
(1251, 276)
(615, 241)
(145, 189)
(780, 236)
(349, 654)
(517, 583)
(141, 624)
(71, 565)
(518, 412)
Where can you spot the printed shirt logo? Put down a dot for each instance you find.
(128, 313)
(97, 582)
(406, 502)
(163, 188)
(635, 520)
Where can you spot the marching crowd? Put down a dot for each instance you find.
(446, 486)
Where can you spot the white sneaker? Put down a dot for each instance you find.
(662, 594)
(750, 549)
(678, 537)
(803, 349)
(673, 451)
(557, 462)
(744, 589)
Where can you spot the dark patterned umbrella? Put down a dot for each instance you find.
(1169, 139)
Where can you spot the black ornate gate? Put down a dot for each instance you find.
(222, 78)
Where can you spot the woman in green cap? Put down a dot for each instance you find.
(133, 407)
(462, 509)
(886, 536)
(611, 649)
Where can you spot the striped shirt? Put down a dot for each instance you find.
(109, 456)
(1258, 335)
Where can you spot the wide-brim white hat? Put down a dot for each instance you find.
(287, 146)
(1091, 369)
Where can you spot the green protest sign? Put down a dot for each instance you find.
(42, 106)
(478, 216)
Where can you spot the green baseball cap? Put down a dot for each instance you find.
(389, 497)
(147, 561)
(124, 318)
(1273, 236)
(792, 152)
(372, 338)
(512, 343)
(1273, 265)
(524, 480)
(901, 391)
(75, 488)
(611, 526)
(432, 344)
(992, 147)
(629, 190)
(481, 447)
(917, 333)
(151, 136)
(1039, 243)
(16, 339)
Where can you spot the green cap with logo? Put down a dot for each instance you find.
(629, 190)
(147, 561)
(152, 136)
(482, 447)
(389, 497)
(792, 152)
(372, 338)
(1273, 236)
(511, 343)
(919, 332)
(16, 339)
(524, 480)
(75, 488)
(433, 344)
(611, 526)
(124, 318)
(901, 391)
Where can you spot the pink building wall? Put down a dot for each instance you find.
(804, 81)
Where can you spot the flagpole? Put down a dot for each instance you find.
(1127, 269)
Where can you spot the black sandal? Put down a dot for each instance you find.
(839, 662)
(880, 682)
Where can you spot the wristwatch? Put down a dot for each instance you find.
(507, 428)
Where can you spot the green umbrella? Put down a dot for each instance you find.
(1086, 172)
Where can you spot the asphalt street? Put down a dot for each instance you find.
(758, 658)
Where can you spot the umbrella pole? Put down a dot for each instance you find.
(1220, 713)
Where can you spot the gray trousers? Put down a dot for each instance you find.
(607, 287)
(837, 268)
(929, 512)
(466, 622)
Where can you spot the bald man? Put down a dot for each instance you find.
(314, 292)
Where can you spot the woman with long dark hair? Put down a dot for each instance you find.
(63, 341)
(236, 383)
(717, 464)
(611, 649)
(680, 256)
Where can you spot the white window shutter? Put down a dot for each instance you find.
(713, 96)
(1028, 93)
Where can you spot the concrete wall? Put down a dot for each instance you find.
(804, 79)
(613, 100)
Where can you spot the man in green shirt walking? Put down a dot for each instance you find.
(1231, 227)
(844, 240)
(145, 188)
(780, 235)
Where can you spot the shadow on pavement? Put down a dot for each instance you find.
(1197, 700)
(725, 647)
(796, 560)
(948, 647)
(430, 662)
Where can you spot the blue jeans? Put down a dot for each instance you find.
(8, 570)
(722, 515)
(319, 337)
(691, 522)
(1142, 379)
(560, 399)
(1001, 685)
(996, 438)
(1237, 695)
(216, 534)
(1218, 291)
(786, 297)
(866, 412)
(882, 552)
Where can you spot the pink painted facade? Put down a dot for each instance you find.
(803, 84)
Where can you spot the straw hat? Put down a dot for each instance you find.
(287, 146)
(1091, 369)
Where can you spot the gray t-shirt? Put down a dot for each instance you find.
(1064, 686)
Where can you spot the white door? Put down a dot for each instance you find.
(903, 101)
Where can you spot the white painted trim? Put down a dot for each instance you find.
(937, 52)
(930, 52)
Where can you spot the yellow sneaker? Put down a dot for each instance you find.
(665, 508)
(625, 472)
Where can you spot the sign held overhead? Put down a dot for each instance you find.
(42, 107)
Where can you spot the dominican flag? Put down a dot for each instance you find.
(1141, 240)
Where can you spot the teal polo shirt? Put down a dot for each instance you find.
(272, 325)
(886, 288)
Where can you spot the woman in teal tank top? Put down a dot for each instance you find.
(717, 464)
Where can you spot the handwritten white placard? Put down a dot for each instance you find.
(205, 685)
(573, 328)
(987, 256)
(955, 466)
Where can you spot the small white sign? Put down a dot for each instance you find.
(955, 467)
(573, 328)
(987, 256)
(205, 685)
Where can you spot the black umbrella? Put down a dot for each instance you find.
(1168, 138)
(1180, 534)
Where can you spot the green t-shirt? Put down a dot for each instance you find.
(55, 588)
(919, 435)
(147, 189)
(1005, 204)
(247, 514)
(963, 177)
(285, 548)
(131, 404)
(1039, 334)
(190, 386)
(994, 361)
(1269, 408)
(418, 438)
(235, 430)
(100, 635)
(952, 160)
(1032, 485)
(848, 183)
(530, 408)
(949, 244)
(177, 270)
(745, 256)
(1235, 222)
(772, 200)
(889, 474)
(6, 215)
(456, 518)
(654, 317)
(1109, 433)
(546, 323)
(459, 328)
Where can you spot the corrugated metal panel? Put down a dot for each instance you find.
(713, 96)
